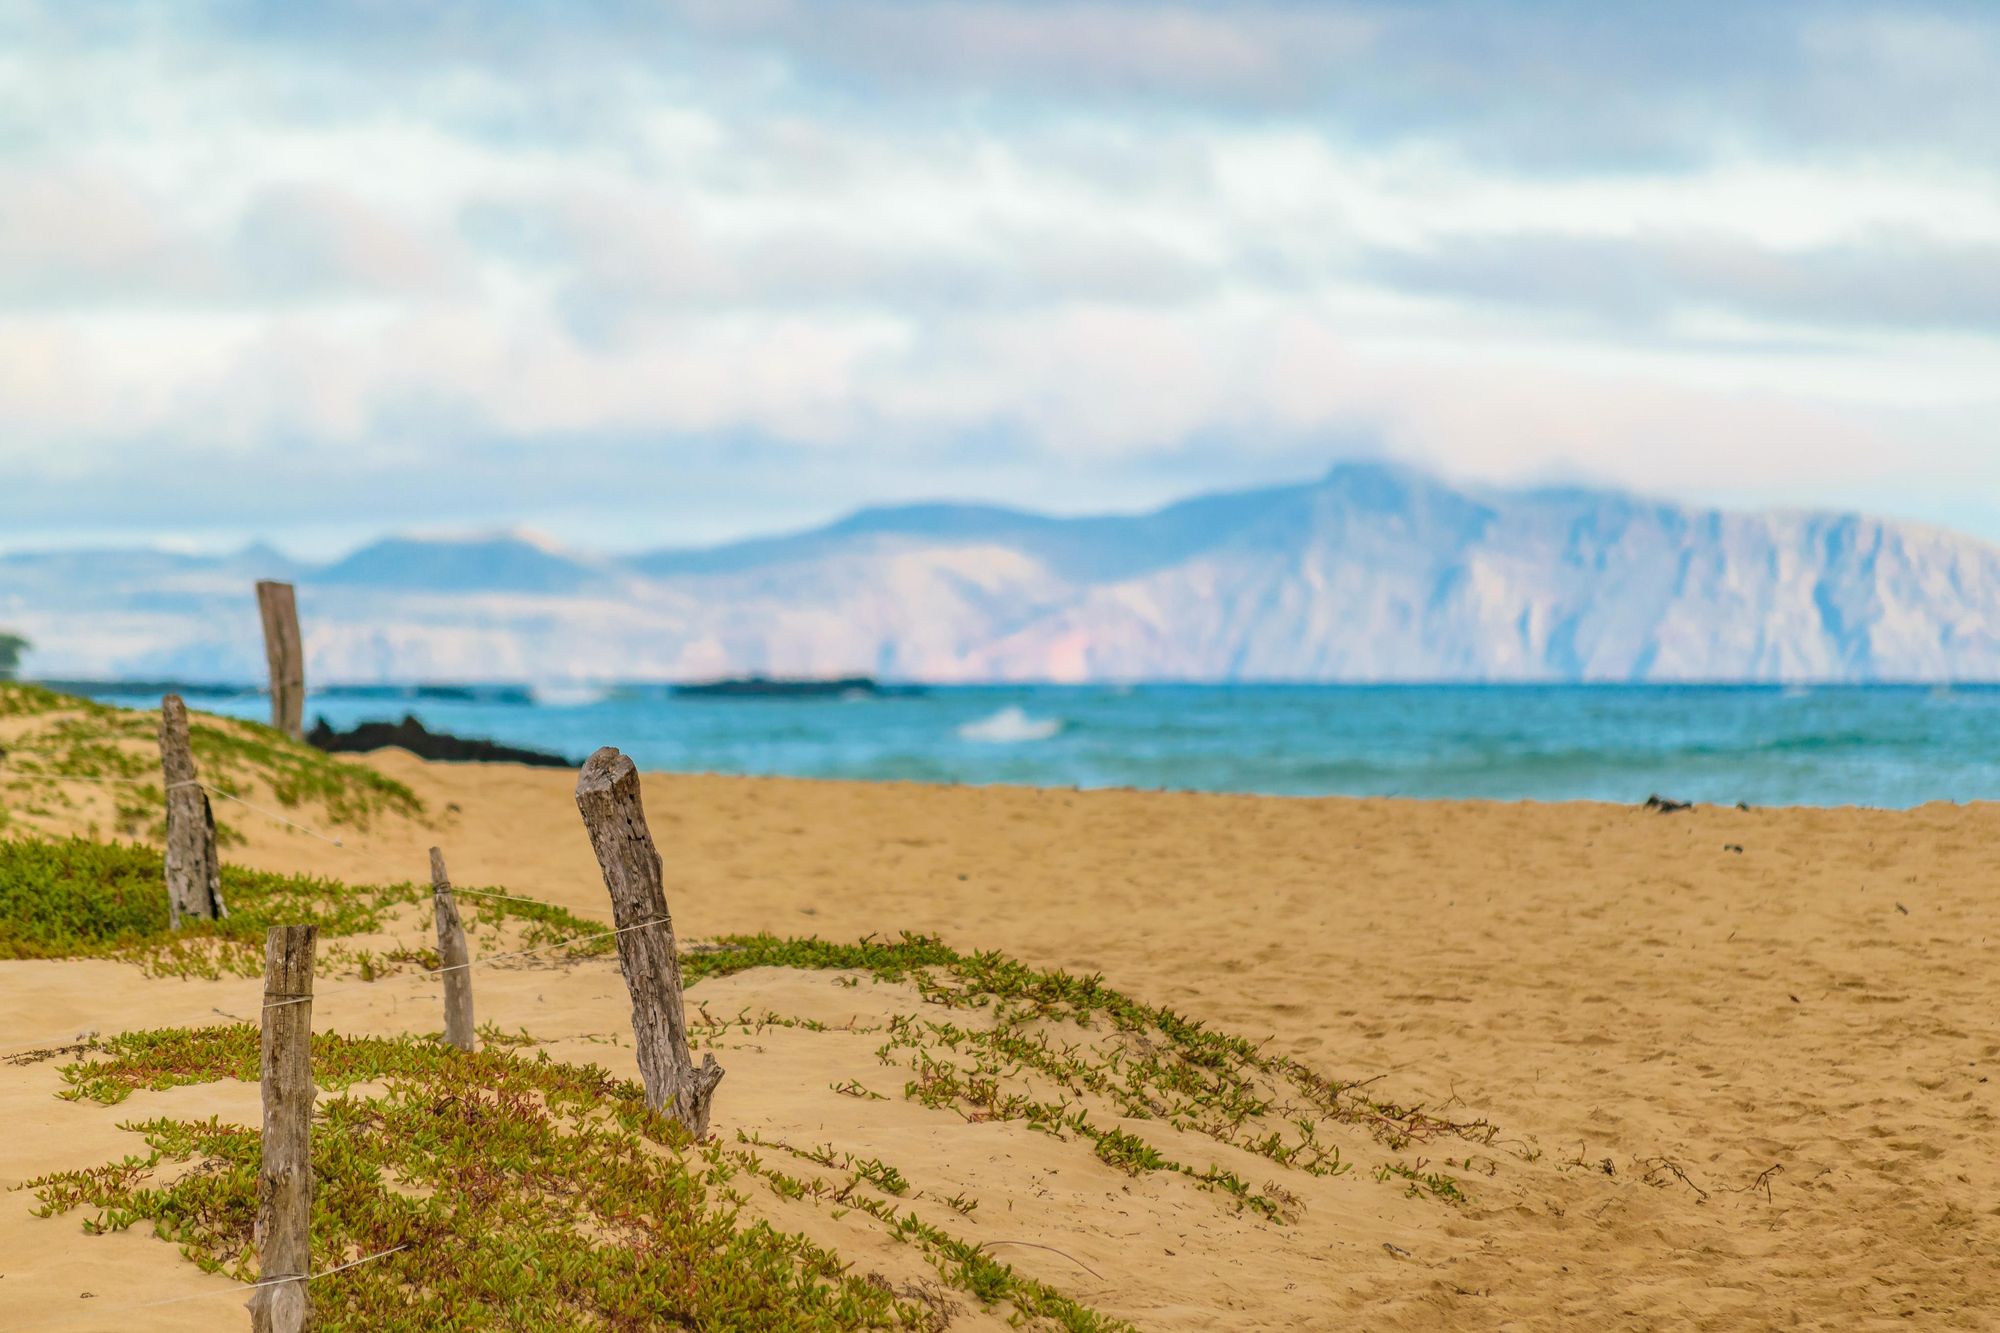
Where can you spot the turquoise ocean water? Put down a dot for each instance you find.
(1873, 745)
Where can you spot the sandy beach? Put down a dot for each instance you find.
(1738, 1061)
(1144, 558)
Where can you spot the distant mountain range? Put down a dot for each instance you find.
(1371, 573)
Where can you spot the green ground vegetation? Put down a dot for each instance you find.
(1072, 1057)
(1065, 1055)
(541, 1189)
(55, 737)
(547, 1189)
(76, 898)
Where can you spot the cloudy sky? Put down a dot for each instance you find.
(641, 274)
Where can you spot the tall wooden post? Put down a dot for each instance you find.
(453, 958)
(284, 1180)
(194, 871)
(607, 794)
(285, 654)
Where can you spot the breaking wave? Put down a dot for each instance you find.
(557, 695)
(1010, 726)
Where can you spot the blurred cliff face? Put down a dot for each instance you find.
(1368, 573)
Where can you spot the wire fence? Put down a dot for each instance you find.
(362, 858)
(99, 1313)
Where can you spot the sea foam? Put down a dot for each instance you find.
(1009, 726)
(568, 695)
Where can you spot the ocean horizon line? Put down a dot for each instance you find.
(417, 685)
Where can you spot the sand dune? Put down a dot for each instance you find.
(1735, 1089)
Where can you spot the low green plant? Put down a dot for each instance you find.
(228, 752)
(543, 1190)
(1435, 1184)
(96, 743)
(73, 897)
(76, 898)
(1067, 1055)
(963, 1265)
(1145, 1063)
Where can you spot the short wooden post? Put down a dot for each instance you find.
(285, 654)
(607, 794)
(453, 958)
(194, 871)
(284, 1181)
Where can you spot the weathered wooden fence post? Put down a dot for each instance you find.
(453, 958)
(285, 654)
(284, 1181)
(607, 794)
(194, 871)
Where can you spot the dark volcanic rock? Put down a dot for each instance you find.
(411, 735)
(767, 687)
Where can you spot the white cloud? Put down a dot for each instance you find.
(973, 242)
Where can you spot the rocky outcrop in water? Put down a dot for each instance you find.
(766, 687)
(412, 735)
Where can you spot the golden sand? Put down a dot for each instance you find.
(1736, 1089)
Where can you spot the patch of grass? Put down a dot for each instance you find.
(541, 1193)
(19, 700)
(545, 1191)
(853, 1088)
(1149, 1063)
(1128, 1152)
(964, 1266)
(1435, 1184)
(574, 1204)
(75, 898)
(297, 774)
(83, 739)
